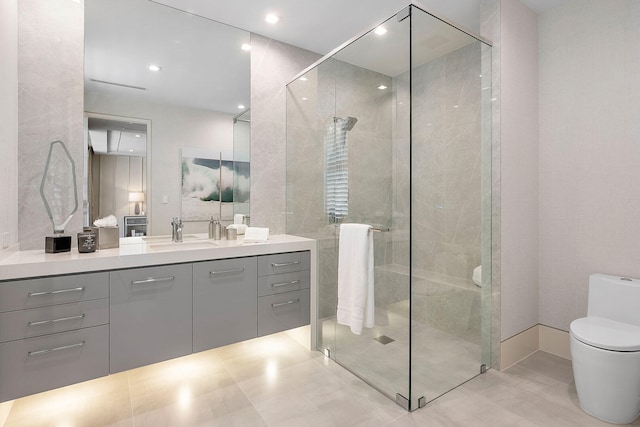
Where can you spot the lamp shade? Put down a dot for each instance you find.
(136, 197)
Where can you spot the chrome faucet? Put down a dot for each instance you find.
(176, 230)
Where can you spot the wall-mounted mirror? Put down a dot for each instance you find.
(184, 76)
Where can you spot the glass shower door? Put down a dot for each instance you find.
(371, 76)
(450, 98)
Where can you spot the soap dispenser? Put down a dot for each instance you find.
(215, 229)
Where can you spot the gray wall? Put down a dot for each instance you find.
(589, 151)
(519, 167)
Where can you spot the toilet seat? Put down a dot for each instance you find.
(606, 334)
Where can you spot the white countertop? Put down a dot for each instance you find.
(136, 252)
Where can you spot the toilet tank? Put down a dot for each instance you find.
(615, 298)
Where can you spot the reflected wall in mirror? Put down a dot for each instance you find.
(242, 159)
(115, 175)
(189, 100)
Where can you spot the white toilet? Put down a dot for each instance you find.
(605, 348)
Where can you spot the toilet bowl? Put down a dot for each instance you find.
(605, 350)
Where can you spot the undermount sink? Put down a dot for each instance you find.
(167, 238)
(193, 244)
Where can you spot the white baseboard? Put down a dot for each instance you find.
(519, 346)
(527, 342)
(554, 341)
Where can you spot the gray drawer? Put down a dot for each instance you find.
(36, 364)
(15, 325)
(279, 283)
(283, 263)
(150, 315)
(31, 293)
(224, 302)
(283, 311)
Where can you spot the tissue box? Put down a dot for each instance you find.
(107, 237)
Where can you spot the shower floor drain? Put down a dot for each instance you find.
(383, 339)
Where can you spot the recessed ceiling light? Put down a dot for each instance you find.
(137, 136)
(241, 107)
(304, 98)
(272, 18)
(380, 31)
(131, 151)
(246, 46)
(382, 87)
(303, 78)
(154, 67)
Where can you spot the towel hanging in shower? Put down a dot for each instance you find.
(355, 277)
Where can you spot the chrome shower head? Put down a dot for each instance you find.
(347, 124)
(350, 122)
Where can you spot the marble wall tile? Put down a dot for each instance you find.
(273, 64)
(338, 89)
(447, 170)
(490, 29)
(50, 105)
(9, 123)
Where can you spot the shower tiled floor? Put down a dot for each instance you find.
(275, 381)
(440, 361)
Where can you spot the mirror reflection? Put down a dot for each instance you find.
(116, 172)
(242, 158)
(185, 76)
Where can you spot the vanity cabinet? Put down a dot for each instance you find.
(283, 290)
(53, 332)
(150, 312)
(225, 302)
(61, 330)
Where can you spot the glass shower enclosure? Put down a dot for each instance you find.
(393, 130)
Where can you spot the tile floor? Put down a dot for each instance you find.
(275, 381)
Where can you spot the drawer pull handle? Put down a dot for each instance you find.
(236, 270)
(61, 291)
(284, 264)
(293, 282)
(153, 280)
(51, 350)
(280, 304)
(62, 319)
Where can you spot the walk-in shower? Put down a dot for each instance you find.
(416, 165)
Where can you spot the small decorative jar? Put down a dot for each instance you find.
(86, 242)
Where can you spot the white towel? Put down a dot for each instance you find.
(256, 235)
(355, 277)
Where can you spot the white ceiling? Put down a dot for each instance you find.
(322, 25)
(112, 137)
(203, 66)
(202, 63)
(540, 6)
(319, 25)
